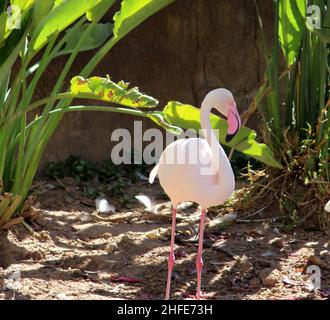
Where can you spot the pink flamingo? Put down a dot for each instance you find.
(207, 179)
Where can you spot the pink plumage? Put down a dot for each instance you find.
(197, 169)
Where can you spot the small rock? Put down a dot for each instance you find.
(264, 262)
(318, 262)
(304, 252)
(277, 243)
(43, 235)
(269, 277)
(255, 282)
(245, 265)
(224, 221)
(34, 255)
(50, 187)
(311, 244)
(79, 228)
(106, 235)
(111, 247)
(62, 296)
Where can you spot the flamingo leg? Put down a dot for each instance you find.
(199, 259)
(171, 257)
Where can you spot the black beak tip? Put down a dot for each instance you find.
(229, 137)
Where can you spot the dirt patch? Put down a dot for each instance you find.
(71, 252)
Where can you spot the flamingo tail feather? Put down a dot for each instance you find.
(153, 174)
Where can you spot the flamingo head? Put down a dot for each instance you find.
(223, 100)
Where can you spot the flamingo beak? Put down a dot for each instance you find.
(234, 122)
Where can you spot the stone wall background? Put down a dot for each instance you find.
(181, 53)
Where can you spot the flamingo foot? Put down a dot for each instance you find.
(170, 262)
(199, 267)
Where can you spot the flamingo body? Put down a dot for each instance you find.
(198, 170)
(183, 181)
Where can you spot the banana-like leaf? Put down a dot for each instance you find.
(162, 120)
(188, 117)
(96, 37)
(134, 12)
(291, 23)
(104, 89)
(59, 18)
(98, 11)
(23, 4)
(40, 9)
(57, 3)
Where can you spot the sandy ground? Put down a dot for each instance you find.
(69, 251)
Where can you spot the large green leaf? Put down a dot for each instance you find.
(96, 37)
(23, 4)
(188, 117)
(98, 11)
(162, 120)
(104, 89)
(63, 15)
(134, 12)
(40, 9)
(292, 15)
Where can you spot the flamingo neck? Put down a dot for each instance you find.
(220, 161)
(207, 129)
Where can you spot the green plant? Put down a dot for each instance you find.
(188, 117)
(49, 29)
(295, 114)
(98, 178)
(74, 167)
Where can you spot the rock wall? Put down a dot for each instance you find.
(181, 53)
